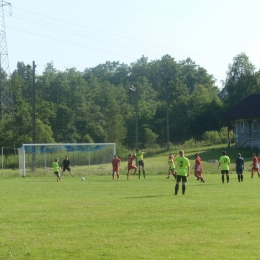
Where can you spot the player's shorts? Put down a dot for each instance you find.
(56, 173)
(239, 170)
(115, 169)
(198, 168)
(198, 173)
(131, 167)
(66, 168)
(255, 169)
(180, 178)
(141, 163)
(224, 171)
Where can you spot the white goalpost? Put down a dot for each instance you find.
(42, 155)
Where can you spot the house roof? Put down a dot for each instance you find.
(247, 108)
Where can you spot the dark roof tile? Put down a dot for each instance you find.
(247, 108)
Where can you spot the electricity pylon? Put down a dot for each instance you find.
(6, 97)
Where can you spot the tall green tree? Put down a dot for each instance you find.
(165, 77)
(240, 81)
(44, 133)
(63, 125)
(193, 75)
(203, 113)
(146, 97)
(111, 99)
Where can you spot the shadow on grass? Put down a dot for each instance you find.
(143, 197)
(206, 184)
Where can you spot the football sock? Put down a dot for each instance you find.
(238, 177)
(242, 177)
(183, 189)
(227, 178)
(176, 188)
(223, 178)
(144, 173)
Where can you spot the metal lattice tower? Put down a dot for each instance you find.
(6, 97)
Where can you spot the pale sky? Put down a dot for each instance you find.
(85, 33)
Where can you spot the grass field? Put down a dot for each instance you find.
(137, 219)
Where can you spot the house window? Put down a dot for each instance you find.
(254, 126)
(242, 126)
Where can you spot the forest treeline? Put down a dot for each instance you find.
(98, 105)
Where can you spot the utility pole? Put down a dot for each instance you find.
(33, 104)
(167, 122)
(136, 119)
(6, 96)
(132, 88)
(33, 115)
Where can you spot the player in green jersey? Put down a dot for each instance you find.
(140, 159)
(183, 171)
(224, 162)
(56, 169)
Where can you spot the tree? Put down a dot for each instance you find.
(21, 124)
(149, 137)
(96, 133)
(180, 114)
(240, 81)
(146, 97)
(140, 68)
(113, 72)
(97, 105)
(111, 99)
(194, 75)
(44, 133)
(165, 75)
(199, 99)
(63, 125)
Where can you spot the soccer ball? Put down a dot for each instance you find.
(83, 179)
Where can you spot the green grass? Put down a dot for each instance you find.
(137, 219)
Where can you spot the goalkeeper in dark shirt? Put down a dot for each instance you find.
(66, 166)
(239, 167)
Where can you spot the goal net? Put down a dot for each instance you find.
(41, 156)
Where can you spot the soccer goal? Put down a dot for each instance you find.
(35, 156)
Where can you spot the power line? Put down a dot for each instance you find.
(178, 18)
(148, 43)
(87, 36)
(83, 46)
(75, 44)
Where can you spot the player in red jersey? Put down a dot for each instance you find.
(130, 165)
(198, 159)
(116, 165)
(255, 165)
(198, 168)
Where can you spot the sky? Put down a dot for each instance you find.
(85, 33)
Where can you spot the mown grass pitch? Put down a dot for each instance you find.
(137, 219)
